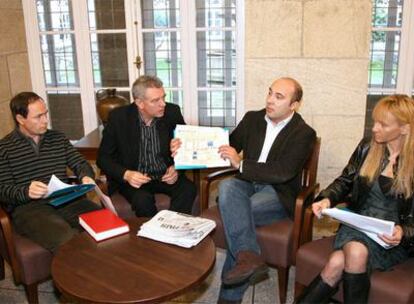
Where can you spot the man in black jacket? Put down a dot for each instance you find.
(276, 142)
(135, 151)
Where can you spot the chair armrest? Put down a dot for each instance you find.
(7, 230)
(302, 226)
(206, 182)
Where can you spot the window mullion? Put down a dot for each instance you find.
(406, 59)
(83, 54)
(132, 38)
(189, 61)
(33, 48)
(240, 60)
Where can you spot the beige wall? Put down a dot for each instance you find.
(324, 44)
(14, 65)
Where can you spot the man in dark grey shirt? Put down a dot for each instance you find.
(135, 151)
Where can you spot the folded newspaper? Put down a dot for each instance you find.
(176, 228)
(371, 226)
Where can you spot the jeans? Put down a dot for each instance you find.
(243, 206)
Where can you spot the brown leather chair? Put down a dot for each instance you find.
(395, 286)
(162, 201)
(29, 262)
(278, 241)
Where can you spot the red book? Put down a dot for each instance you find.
(103, 224)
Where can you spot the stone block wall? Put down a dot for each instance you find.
(324, 44)
(14, 65)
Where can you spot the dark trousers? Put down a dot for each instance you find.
(50, 226)
(142, 200)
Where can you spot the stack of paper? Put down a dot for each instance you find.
(371, 226)
(176, 228)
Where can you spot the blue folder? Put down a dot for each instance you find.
(66, 195)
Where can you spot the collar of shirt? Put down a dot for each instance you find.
(272, 131)
(280, 124)
(30, 140)
(142, 122)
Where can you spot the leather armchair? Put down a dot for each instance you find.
(394, 286)
(29, 262)
(278, 241)
(124, 209)
(162, 201)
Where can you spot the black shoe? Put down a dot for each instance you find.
(356, 288)
(317, 292)
(224, 301)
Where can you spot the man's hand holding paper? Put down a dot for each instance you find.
(229, 153)
(196, 147)
(37, 190)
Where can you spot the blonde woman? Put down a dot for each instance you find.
(379, 179)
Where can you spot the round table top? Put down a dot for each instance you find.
(128, 268)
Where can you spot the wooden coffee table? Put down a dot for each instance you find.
(129, 269)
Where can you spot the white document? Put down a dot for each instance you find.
(369, 225)
(55, 184)
(176, 228)
(106, 201)
(199, 147)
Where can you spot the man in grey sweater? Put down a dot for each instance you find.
(29, 156)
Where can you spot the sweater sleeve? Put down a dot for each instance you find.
(76, 162)
(11, 195)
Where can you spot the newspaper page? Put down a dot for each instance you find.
(199, 148)
(176, 228)
(369, 225)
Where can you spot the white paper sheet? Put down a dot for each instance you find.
(369, 225)
(55, 184)
(199, 147)
(106, 201)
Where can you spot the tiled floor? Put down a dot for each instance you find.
(264, 292)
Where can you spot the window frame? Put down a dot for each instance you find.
(405, 69)
(133, 33)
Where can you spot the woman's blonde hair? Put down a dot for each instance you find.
(402, 108)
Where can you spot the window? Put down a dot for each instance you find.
(77, 48)
(191, 46)
(391, 67)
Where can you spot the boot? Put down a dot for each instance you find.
(356, 287)
(317, 292)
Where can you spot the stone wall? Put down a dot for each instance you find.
(14, 65)
(324, 44)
